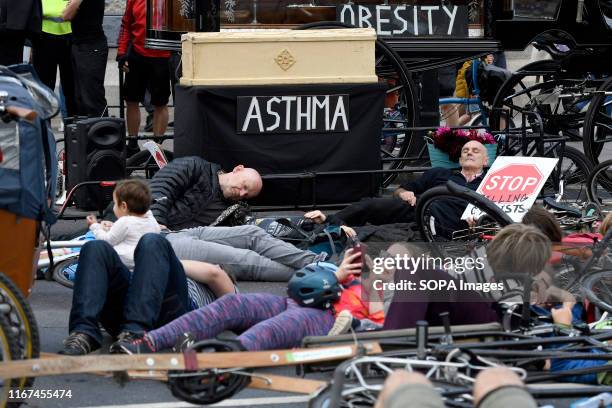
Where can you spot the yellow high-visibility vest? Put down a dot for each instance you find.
(52, 17)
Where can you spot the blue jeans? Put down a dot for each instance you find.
(106, 292)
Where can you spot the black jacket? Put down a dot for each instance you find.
(22, 15)
(186, 193)
(437, 176)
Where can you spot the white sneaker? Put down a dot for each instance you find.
(343, 323)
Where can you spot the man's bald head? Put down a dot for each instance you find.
(242, 183)
(474, 156)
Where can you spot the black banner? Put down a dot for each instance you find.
(205, 125)
(407, 21)
(292, 114)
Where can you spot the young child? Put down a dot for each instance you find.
(134, 219)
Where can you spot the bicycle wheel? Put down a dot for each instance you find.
(571, 177)
(141, 161)
(9, 350)
(598, 122)
(22, 322)
(395, 144)
(536, 88)
(435, 208)
(64, 272)
(599, 185)
(598, 289)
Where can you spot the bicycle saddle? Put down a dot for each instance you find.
(550, 202)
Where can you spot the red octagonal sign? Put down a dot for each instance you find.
(511, 183)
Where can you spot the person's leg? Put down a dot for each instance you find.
(160, 120)
(247, 251)
(45, 58)
(132, 116)
(376, 211)
(11, 44)
(159, 85)
(89, 61)
(158, 290)
(100, 288)
(67, 75)
(287, 329)
(231, 312)
(256, 239)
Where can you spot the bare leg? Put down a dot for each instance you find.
(212, 275)
(160, 120)
(133, 118)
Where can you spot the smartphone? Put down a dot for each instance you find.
(357, 247)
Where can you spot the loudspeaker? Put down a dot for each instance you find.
(95, 151)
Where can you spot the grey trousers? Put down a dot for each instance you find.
(248, 252)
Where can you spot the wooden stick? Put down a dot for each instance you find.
(164, 362)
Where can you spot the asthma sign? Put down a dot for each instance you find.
(513, 183)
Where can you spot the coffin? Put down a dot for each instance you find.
(279, 57)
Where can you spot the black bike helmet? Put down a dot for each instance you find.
(315, 285)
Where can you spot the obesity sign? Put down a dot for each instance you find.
(513, 183)
(402, 20)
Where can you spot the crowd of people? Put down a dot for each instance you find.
(161, 270)
(148, 286)
(68, 35)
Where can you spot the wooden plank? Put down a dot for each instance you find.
(260, 381)
(164, 362)
(286, 384)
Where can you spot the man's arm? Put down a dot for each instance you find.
(71, 9)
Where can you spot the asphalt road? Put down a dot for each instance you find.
(51, 305)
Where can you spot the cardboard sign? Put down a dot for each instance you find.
(157, 153)
(292, 114)
(513, 183)
(442, 20)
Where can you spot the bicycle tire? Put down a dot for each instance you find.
(552, 67)
(575, 175)
(142, 159)
(590, 284)
(599, 177)
(408, 98)
(592, 149)
(444, 193)
(9, 350)
(22, 320)
(58, 272)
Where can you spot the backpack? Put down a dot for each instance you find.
(304, 233)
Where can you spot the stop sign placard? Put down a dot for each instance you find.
(509, 182)
(513, 183)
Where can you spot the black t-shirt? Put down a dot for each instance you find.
(87, 24)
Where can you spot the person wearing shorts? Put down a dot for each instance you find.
(145, 69)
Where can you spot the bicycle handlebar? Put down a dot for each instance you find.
(481, 201)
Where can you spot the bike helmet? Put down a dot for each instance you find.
(315, 285)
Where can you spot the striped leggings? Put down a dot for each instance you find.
(266, 322)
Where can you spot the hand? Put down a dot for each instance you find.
(563, 315)
(91, 219)
(71, 10)
(123, 63)
(348, 231)
(106, 225)
(396, 380)
(316, 215)
(348, 265)
(408, 196)
(471, 221)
